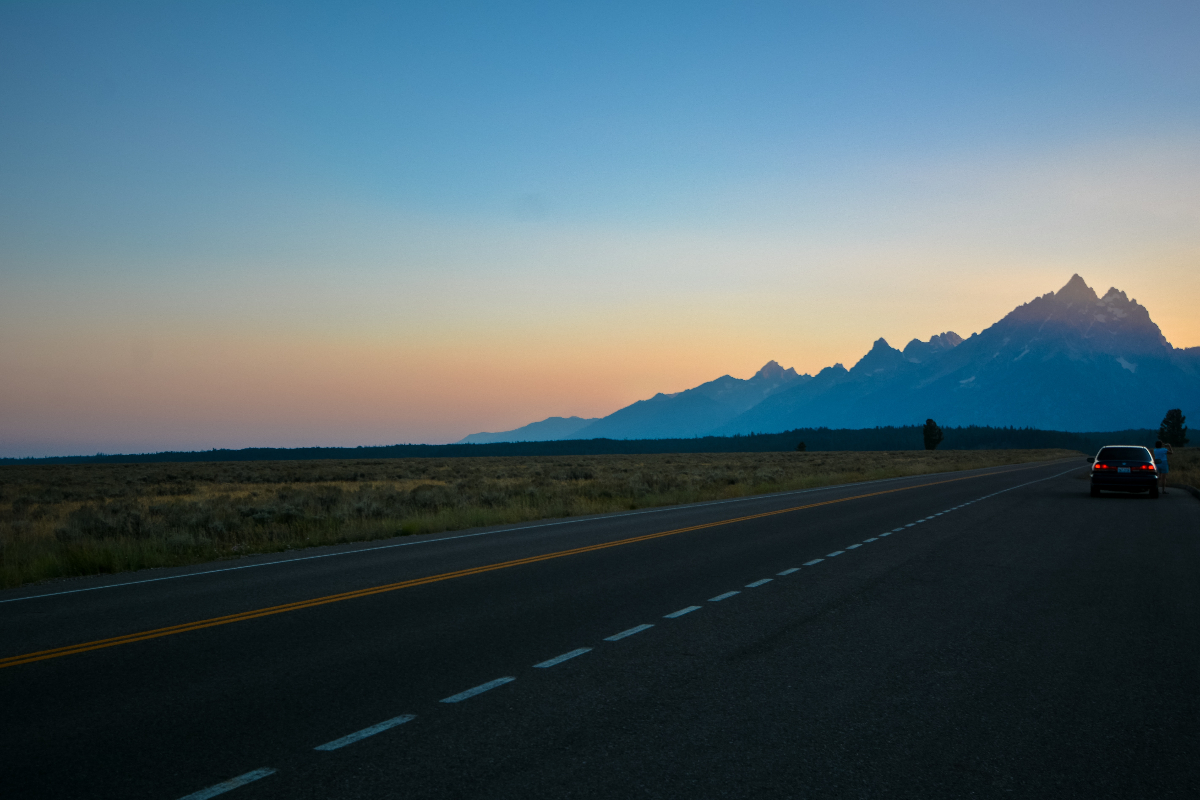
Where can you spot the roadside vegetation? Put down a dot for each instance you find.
(1185, 467)
(72, 520)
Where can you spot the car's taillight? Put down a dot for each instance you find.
(1098, 465)
(1147, 466)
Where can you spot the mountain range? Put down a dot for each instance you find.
(1069, 360)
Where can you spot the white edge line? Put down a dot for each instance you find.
(788, 571)
(365, 732)
(480, 689)
(562, 658)
(681, 612)
(630, 632)
(506, 530)
(232, 783)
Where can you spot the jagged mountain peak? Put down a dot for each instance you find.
(1076, 290)
(881, 358)
(917, 351)
(946, 340)
(1075, 320)
(771, 370)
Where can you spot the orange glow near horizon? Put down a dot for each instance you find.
(189, 387)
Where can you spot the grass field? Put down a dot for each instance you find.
(1185, 467)
(63, 521)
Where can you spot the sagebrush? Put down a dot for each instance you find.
(72, 520)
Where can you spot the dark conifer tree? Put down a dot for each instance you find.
(933, 435)
(1173, 431)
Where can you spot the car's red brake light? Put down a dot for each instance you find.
(1098, 465)
(1147, 466)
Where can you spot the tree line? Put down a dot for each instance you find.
(909, 437)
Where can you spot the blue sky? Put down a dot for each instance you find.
(516, 210)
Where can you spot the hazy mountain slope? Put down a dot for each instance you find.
(549, 429)
(694, 412)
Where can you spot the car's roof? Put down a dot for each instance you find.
(1133, 446)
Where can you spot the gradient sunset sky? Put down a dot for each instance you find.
(285, 224)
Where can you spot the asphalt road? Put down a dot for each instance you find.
(993, 633)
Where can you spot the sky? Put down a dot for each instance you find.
(236, 224)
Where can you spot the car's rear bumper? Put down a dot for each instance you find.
(1125, 483)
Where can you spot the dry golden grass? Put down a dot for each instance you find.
(74, 520)
(1185, 467)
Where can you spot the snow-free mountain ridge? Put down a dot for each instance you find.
(1069, 360)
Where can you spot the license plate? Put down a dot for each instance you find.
(1123, 469)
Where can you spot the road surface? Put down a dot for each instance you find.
(988, 633)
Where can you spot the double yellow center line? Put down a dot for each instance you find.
(129, 638)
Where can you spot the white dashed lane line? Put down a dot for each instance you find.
(249, 777)
(458, 698)
(365, 732)
(618, 636)
(562, 658)
(229, 785)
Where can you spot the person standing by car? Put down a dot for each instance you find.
(1161, 451)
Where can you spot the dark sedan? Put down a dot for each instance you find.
(1124, 468)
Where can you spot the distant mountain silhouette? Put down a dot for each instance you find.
(548, 430)
(1068, 360)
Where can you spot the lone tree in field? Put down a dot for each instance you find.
(1173, 431)
(933, 435)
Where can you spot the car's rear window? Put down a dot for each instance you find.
(1124, 454)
